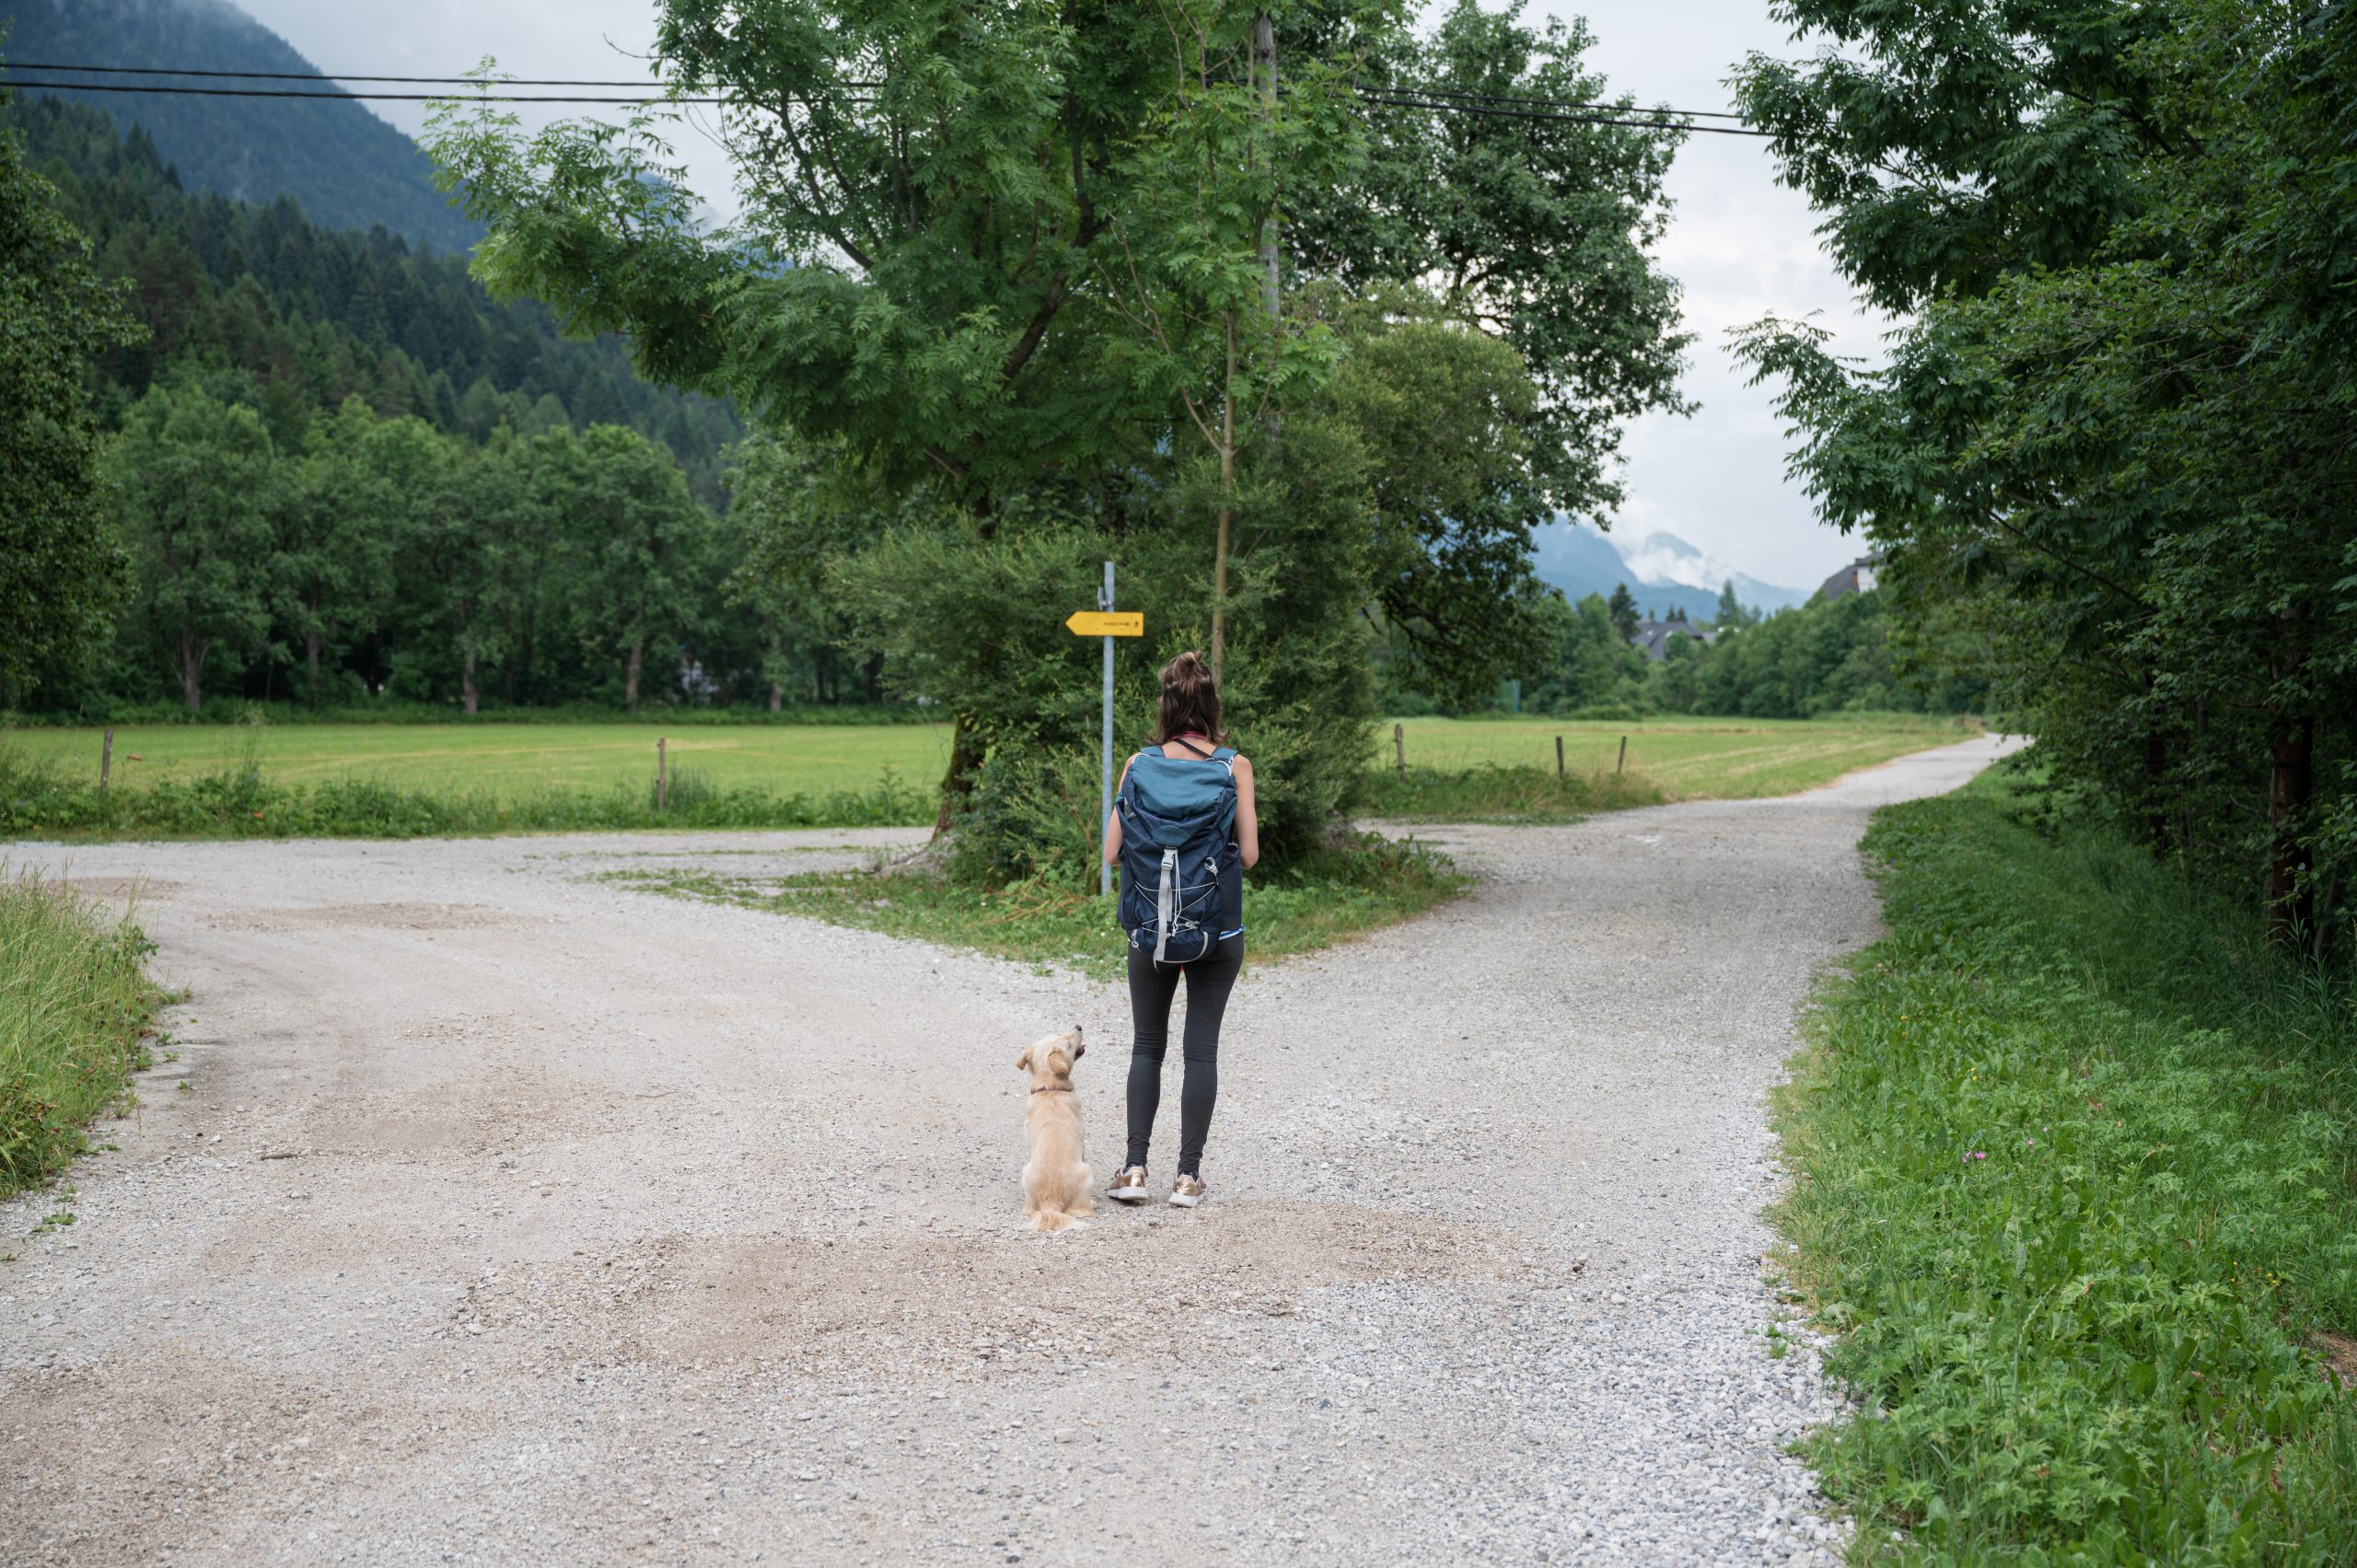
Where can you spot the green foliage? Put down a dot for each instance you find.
(1587, 661)
(1011, 280)
(282, 311)
(1536, 233)
(2074, 1152)
(195, 480)
(60, 571)
(2119, 419)
(1827, 656)
(75, 1005)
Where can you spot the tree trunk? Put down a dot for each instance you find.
(467, 682)
(2290, 903)
(193, 651)
(1264, 69)
(1226, 513)
(630, 676)
(872, 679)
(2156, 810)
(777, 696)
(958, 783)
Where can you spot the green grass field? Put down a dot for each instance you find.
(1681, 757)
(511, 761)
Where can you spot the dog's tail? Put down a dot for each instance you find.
(1056, 1219)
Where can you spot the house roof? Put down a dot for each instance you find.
(1653, 636)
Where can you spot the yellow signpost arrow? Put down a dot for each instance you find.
(1108, 623)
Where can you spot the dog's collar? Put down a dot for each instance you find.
(1052, 1088)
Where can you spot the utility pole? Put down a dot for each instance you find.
(1105, 773)
(1264, 72)
(1264, 77)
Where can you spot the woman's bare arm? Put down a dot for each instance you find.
(1247, 820)
(1113, 822)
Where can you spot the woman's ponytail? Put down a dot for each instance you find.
(1190, 700)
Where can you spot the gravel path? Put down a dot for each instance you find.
(491, 1215)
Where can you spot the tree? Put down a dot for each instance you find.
(340, 521)
(195, 479)
(1537, 233)
(1025, 250)
(1451, 409)
(2122, 406)
(640, 543)
(1732, 614)
(1622, 607)
(60, 570)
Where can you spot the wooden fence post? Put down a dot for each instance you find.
(1622, 764)
(662, 774)
(1400, 746)
(1559, 758)
(106, 757)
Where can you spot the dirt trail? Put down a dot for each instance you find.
(492, 1213)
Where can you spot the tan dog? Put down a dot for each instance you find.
(1056, 1184)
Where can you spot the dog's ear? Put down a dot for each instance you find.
(1058, 1062)
(1023, 1062)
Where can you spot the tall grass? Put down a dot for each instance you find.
(2077, 1178)
(1492, 793)
(75, 1008)
(240, 800)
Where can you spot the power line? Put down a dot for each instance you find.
(1511, 106)
(312, 75)
(1524, 99)
(1475, 112)
(350, 97)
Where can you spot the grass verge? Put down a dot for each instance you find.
(1337, 894)
(238, 800)
(2076, 1154)
(1491, 794)
(76, 1011)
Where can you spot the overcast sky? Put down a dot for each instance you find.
(1741, 244)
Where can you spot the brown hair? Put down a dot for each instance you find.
(1189, 701)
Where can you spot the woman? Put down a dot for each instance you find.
(1187, 730)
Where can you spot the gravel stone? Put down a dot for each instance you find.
(510, 1217)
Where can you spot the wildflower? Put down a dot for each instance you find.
(1976, 1154)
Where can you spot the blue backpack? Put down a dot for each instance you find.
(1177, 857)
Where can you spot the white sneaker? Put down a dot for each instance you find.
(1187, 1192)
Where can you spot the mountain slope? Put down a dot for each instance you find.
(1663, 571)
(296, 317)
(344, 167)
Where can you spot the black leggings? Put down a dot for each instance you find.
(1151, 987)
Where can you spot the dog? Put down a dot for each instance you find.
(1056, 1184)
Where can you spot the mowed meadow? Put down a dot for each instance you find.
(1681, 759)
(394, 779)
(511, 761)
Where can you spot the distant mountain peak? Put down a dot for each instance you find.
(345, 168)
(1663, 571)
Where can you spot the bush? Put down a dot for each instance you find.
(2074, 1153)
(76, 1005)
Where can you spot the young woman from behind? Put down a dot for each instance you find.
(1187, 731)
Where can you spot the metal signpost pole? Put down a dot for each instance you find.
(1104, 602)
